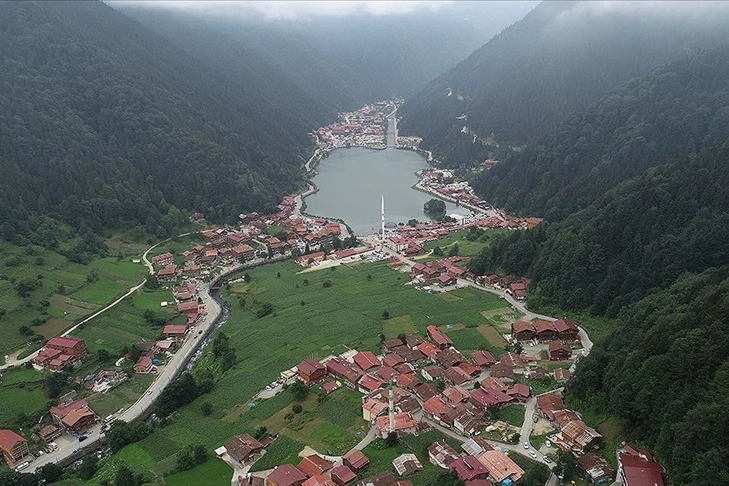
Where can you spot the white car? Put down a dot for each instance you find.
(526, 445)
(533, 454)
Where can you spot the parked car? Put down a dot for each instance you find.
(533, 454)
(547, 459)
(526, 445)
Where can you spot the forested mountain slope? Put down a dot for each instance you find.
(665, 373)
(675, 110)
(560, 58)
(249, 52)
(337, 60)
(651, 251)
(104, 123)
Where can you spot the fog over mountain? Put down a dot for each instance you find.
(560, 58)
(381, 49)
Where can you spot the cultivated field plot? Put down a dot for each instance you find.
(492, 335)
(44, 291)
(346, 311)
(502, 318)
(21, 391)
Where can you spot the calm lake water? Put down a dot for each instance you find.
(352, 181)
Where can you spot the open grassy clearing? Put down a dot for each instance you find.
(511, 414)
(21, 391)
(493, 336)
(348, 312)
(60, 293)
(465, 247)
(213, 472)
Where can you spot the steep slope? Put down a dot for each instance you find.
(561, 57)
(336, 59)
(646, 231)
(674, 110)
(270, 61)
(665, 374)
(104, 123)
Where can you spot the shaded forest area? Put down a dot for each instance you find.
(115, 127)
(647, 245)
(555, 62)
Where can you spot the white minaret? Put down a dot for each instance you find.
(382, 234)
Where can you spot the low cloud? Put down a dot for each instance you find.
(289, 10)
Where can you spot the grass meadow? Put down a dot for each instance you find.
(63, 292)
(309, 319)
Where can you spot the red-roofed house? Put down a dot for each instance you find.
(404, 423)
(519, 392)
(319, 480)
(355, 460)
(435, 407)
(314, 465)
(286, 475)
(484, 398)
(522, 331)
(342, 475)
(69, 346)
(566, 329)
(456, 394)
(483, 358)
(311, 371)
(243, 448)
(549, 403)
(429, 350)
(637, 468)
(13, 446)
(500, 466)
(469, 468)
(143, 365)
(545, 330)
(559, 351)
(456, 375)
(439, 339)
(369, 383)
(366, 360)
(344, 370)
(176, 332)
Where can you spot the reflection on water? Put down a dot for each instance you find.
(351, 182)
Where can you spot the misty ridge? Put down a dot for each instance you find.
(610, 120)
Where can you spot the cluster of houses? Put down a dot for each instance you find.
(444, 272)
(59, 353)
(364, 127)
(401, 394)
(442, 183)
(557, 334)
(68, 417)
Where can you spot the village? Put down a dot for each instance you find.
(415, 383)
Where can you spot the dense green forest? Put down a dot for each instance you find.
(557, 60)
(105, 124)
(665, 373)
(676, 109)
(645, 170)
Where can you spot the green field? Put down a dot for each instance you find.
(62, 292)
(213, 472)
(348, 312)
(511, 414)
(381, 456)
(465, 247)
(21, 391)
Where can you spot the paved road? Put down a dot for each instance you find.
(170, 371)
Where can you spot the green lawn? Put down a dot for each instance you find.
(21, 391)
(511, 414)
(213, 472)
(465, 247)
(381, 456)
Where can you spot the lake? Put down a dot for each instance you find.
(351, 182)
